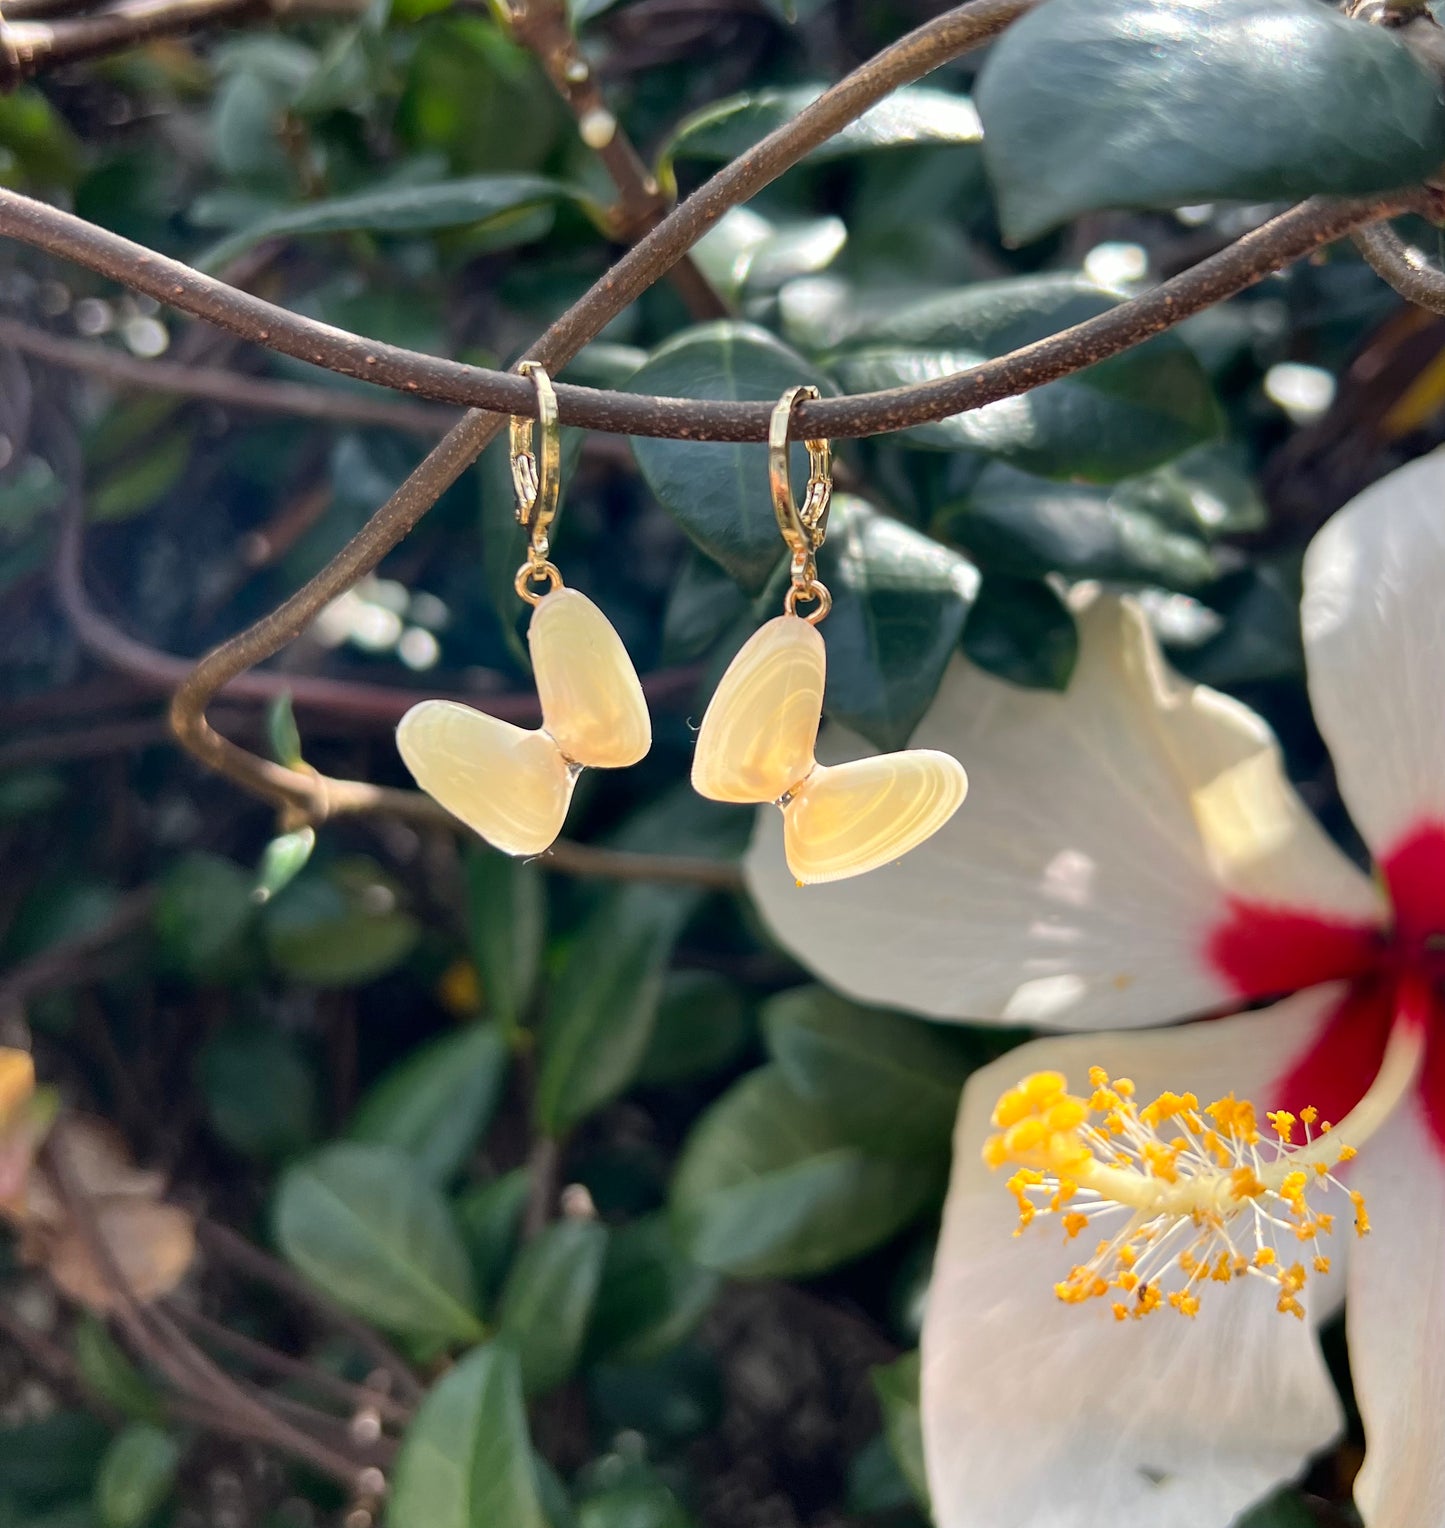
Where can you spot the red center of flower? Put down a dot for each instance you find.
(1268, 951)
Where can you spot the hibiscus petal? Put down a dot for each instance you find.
(1396, 1322)
(1374, 630)
(1040, 1413)
(1105, 833)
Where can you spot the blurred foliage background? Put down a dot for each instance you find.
(649, 1214)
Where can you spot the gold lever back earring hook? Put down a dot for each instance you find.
(537, 480)
(805, 526)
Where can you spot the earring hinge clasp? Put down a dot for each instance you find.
(804, 526)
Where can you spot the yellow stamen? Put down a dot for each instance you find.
(1207, 1204)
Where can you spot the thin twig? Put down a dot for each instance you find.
(68, 960)
(545, 29)
(229, 388)
(543, 1165)
(35, 45)
(229, 1247)
(1402, 266)
(163, 1344)
(269, 1360)
(178, 286)
(1264, 250)
(162, 672)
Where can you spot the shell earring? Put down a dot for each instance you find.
(513, 786)
(758, 735)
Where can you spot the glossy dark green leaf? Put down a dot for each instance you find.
(338, 928)
(1260, 639)
(436, 1104)
(896, 1386)
(202, 911)
(702, 603)
(1162, 103)
(915, 115)
(490, 1218)
(363, 1224)
(480, 201)
(702, 1024)
(899, 603)
(110, 1376)
(717, 492)
(507, 923)
(282, 860)
(37, 148)
(745, 252)
(1113, 419)
(135, 1476)
(1206, 492)
(138, 482)
(259, 1091)
(650, 1296)
(1022, 631)
(769, 1186)
(602, 1010)
(465, 1460)
(1026, 526)
(547, 1300)
(887, 1082)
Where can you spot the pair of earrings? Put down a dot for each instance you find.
(757, 739)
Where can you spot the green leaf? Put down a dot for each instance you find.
(547, 1300)
(1260, 639)
(1020, 630)
(282, 860)
(341, 928)
(138, 483)
(202, 911)
(363, 1224)
(282, 732)
(888, 1082)
(670, 1400)
(110, 1375)
(259, 1091)
(909, 117)
(702, 1025)
(27, 792)
(507, 924)
(490, 1218)
(896, 1385)
(1162, 103)
(600, 1018)
(53, 1459)
(718, 492)
(745, 251)
(768, 1186)
(37, 147)
(437, 1103)
(465, 1461)
(875, 1483)
(650, 1296)
(899, 603)
(135, 1476)
(1026, 526)
(478, 202)
(1115, 418)
(1285, 1510)
(633, 1503)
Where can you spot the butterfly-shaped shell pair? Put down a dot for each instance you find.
(513, 786)
(756, 745)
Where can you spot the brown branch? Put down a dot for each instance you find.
(258, 1356)
(67, 961)
(160, 1342)
(169, 281)
(1261, 252)
(1402, 266)
(231, 389)
(544, 28)
(31, 46)
(162, 672)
